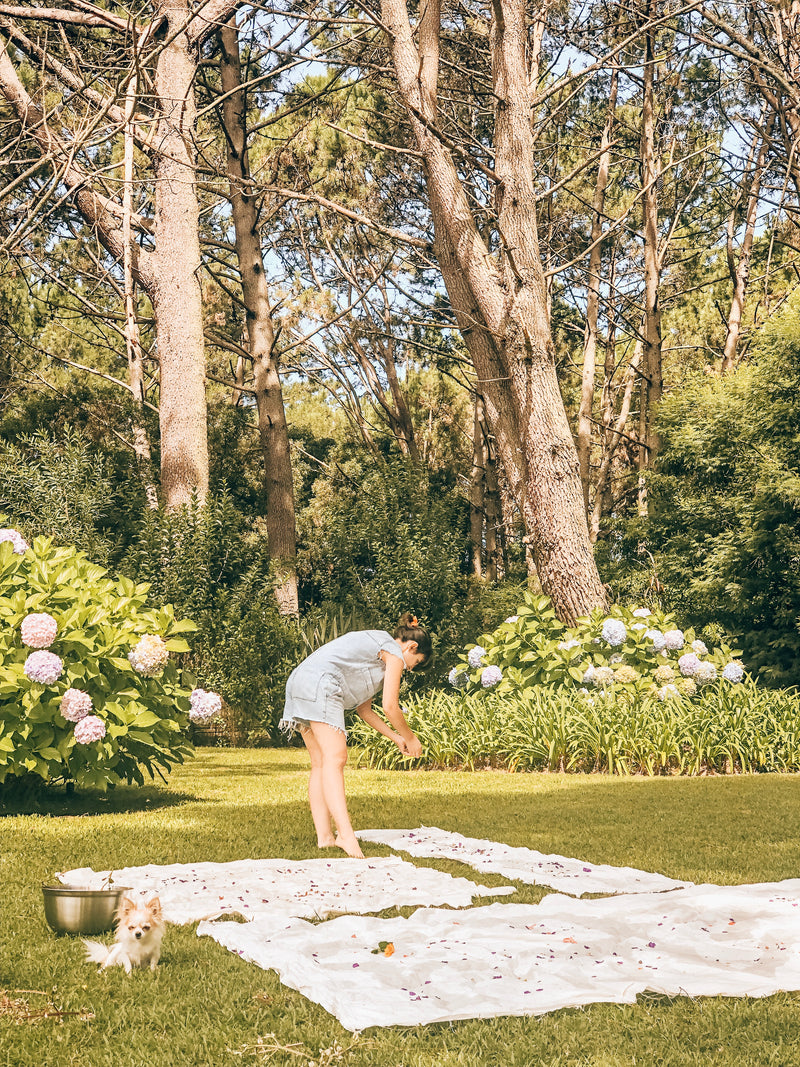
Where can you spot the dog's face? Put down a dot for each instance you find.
(137, 919)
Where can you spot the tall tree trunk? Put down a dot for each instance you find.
(651, 328)
(584, 436)
(477, 489)
(502, 313)
(281, 521)
(740, 272)
(175, 293)
(168, 273)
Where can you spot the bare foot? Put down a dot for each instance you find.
(326, 842)
(351, 846)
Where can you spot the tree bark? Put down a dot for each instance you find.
(584, 436)
(175, 293)
(273, 430)
(740, 273)
(502, 310)
(477, 489)
(652, 385)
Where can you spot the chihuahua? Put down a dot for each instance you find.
(139, 930)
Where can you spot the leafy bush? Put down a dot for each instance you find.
(633, 652)
(211, 566)
(73, 706)
(553, 728)
(722, 541)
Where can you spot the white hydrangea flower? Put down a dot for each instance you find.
(570, 643)
(18, 542)
(603, 676)
(44, 667)
(589, 673)
(733, 671)
(204, 705)
(673, 640)
(705, 673)
(475, 656)
(150, 656)
(688, 664)
(490, 676)
(625, 674)
(700, 648)
(638, 625)
(38, 630)
(91, 728)
(656, 638)
(668, 692)
(75, 705)
(642, 613)
(512, 619)
(458, 678)
(614, 632)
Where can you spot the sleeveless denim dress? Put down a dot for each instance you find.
(340, 675)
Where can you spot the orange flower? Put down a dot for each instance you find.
(389, 950)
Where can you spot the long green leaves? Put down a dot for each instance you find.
(727, 729)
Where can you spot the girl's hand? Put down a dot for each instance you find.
(413, 746)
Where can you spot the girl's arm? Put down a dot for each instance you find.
(371, 718)
(391, 703)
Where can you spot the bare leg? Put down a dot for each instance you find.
(333, 748)
(316, 799)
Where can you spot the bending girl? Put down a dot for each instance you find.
(347, 673)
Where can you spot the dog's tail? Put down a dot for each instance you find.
(96, 952)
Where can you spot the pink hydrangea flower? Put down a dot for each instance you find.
(75, 705)
(18, 542)
(89, 729)
(150, 655)
(490, 676)
(44, 667)
(205, 705)
(39, 630)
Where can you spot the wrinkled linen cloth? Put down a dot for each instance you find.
(518, 959)
(572, 876)
(308, 888)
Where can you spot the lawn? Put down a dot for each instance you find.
(204, 1006)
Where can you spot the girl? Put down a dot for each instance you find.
(347, 673)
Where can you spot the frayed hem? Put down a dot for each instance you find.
(299, 726)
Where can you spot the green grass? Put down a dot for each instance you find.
(204, 1006)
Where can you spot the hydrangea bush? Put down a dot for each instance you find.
(635, 652)
(89, 690)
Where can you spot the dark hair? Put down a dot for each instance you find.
(409, 629)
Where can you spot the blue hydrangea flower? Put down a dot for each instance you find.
(475, 656)
(490, 676)
(614, 632)
(733, 671)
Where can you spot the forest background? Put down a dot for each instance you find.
(314, 313)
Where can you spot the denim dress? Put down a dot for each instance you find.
(342, 674)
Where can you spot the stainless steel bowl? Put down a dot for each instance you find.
(72, 909)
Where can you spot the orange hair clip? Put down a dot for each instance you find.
(413, 621)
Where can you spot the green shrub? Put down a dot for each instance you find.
(740, 728)
(85, 623)
(208, 563)
(632, 652)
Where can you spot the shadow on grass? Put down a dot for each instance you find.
(55, 801)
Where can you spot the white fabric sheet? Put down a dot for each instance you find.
(516, 959)
(309, 888)
(572, 876)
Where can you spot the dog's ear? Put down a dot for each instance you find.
(126, 906)
(154, 906)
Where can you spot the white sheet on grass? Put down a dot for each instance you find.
(572, 876)
(309, 888)
(517, 959)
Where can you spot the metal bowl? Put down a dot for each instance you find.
(71, 909)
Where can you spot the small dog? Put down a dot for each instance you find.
(139, 931)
